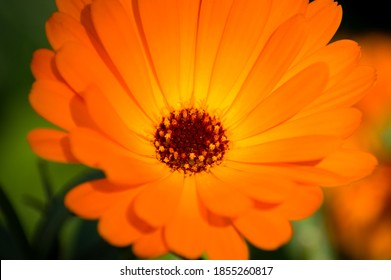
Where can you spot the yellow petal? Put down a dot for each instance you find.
(237, 49)
(170, 29)
(208, 41)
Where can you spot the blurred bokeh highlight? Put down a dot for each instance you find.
(359, 215)
(354, 223)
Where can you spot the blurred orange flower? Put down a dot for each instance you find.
(215, 122)
(361, 212)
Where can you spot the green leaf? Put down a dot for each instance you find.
(169, 256)
(89, 245)
(45, 241)
(14, 225)
(259, 254)
(9, 247)
(34, 203)
(44, 175)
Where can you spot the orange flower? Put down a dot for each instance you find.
(360, 213)
(215, 122)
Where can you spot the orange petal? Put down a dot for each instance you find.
(186, 233)
(238, 42)
(57, 103)
(323, 22)
(266, 229)
(158, 201)
(53, 101)
(303, 202)
(269, 67)
(62, 28)
(306, 148)
(280, 14)
(51, 145)
(43, 66)
(113, 126)
(340, 56)
(72, 7)
(80, 114)
(208, 41)
(120, 165)
(119, 226)
(293, 173)
(301, 90)
(120, 37)
(170, 29)
(340, 123)
(260, 185)
(221, 198)
(351, 164)
(150, 245)
(91, 199)
(317, 6)
(225, 243)
(245, 13)
(82, 68)
(346, 93)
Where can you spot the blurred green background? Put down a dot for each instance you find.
(22, 30)
(23, 176)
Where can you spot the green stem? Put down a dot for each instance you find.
(14, 224)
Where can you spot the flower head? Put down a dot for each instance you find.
(360, 212)
(215, 122)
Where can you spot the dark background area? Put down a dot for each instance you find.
(365, 16)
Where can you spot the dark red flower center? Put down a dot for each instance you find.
(190, 141)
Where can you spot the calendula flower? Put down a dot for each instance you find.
(215, 122)
(360, 212)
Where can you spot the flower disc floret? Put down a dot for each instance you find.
(190, 140)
